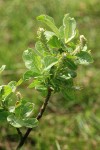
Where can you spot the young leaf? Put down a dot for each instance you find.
(54, 42)
(50, 22)
(6, 91)
(68, 61)
(48, 35)
(69, 28)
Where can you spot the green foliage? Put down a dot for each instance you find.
(22, 122)
(20, 115)
(68, 48)
(51, 64)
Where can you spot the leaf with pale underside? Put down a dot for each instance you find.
(24, 110)
(69, 28)
(19, 122)
(49, 22)
(84, 58)
(32, 60)
(49, 61)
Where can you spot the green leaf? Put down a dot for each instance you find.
(48, 35)
(18, 122)
(11, 109)
(69, 28)
(61, 31)
(49, 61)
(3, 115)
(69, 62)
(32, 61)
(41, 88)
(30, 122)
(49, 22)
(72, 73)
(68, 74)
(19, 82)
(54, 42)
(68, 93)
(35, 83)
(40, 48)
(67, 89)
(15, 122)
(29, 74)
(2, 68)
(20, 116)
(66, 77)
(6, 91)
(24, 110)
(84, 58)
(12, 85)
(84, 48)
(1, 87)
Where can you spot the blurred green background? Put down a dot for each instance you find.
(67, 125)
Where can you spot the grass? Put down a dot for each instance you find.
(73, 125)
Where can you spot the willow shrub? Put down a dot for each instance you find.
(51, 67)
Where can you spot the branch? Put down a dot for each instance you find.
(39, 116)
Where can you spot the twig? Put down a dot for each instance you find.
(39, 116)
(19, 132)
